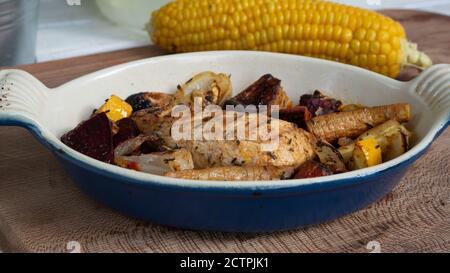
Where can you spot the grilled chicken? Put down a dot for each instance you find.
(293, 147)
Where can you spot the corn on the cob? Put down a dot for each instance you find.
(314, 28)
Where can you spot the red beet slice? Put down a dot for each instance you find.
(92, 138)
(127, 130)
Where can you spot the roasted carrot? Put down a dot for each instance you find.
(354, 123)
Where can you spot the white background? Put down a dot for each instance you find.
(69, 31)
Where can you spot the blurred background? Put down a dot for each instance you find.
(45, 30)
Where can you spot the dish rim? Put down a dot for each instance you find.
(144, 179)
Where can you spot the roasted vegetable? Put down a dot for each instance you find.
(92, 138)
(127, 130)
(319, 104)
(330, 157)
(155, 102)
(351, 107)
(367, 153)
(249, 173)
(298, 115)
(212, 88)
(306, 27)
(116, 109)
(312, 169)
(158, 163)
(354, 123)
(266, 91)
(397, 146)
(387, 137)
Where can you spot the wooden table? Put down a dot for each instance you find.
(41, 210)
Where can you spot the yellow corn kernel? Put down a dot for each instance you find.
(316, 28)
(116, 109)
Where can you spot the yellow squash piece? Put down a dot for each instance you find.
(116, 109)
(314, 28)
(367, 153)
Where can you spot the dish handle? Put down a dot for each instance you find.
(433, 87)
(22, 98)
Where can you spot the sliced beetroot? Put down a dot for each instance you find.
(319, 104)
(312, 169)
(298, 115)
(127, 130)
(92, 138)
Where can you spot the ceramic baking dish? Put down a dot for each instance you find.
(226, 206)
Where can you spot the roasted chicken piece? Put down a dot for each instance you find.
(256, 173)
(266, 91)
(291, 147)
(354, 123)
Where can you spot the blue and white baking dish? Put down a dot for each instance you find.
(226, 206)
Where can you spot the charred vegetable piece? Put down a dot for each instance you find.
(266, 91)
(354, 123)
(298, 115)
(127, 130)
(212, 88)
(116, 109)
(312, 169)
(235, 174)
(331, 157)
(92, 138)
(153, 101)
(319, 104)
(139, 102)
(153, 145)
